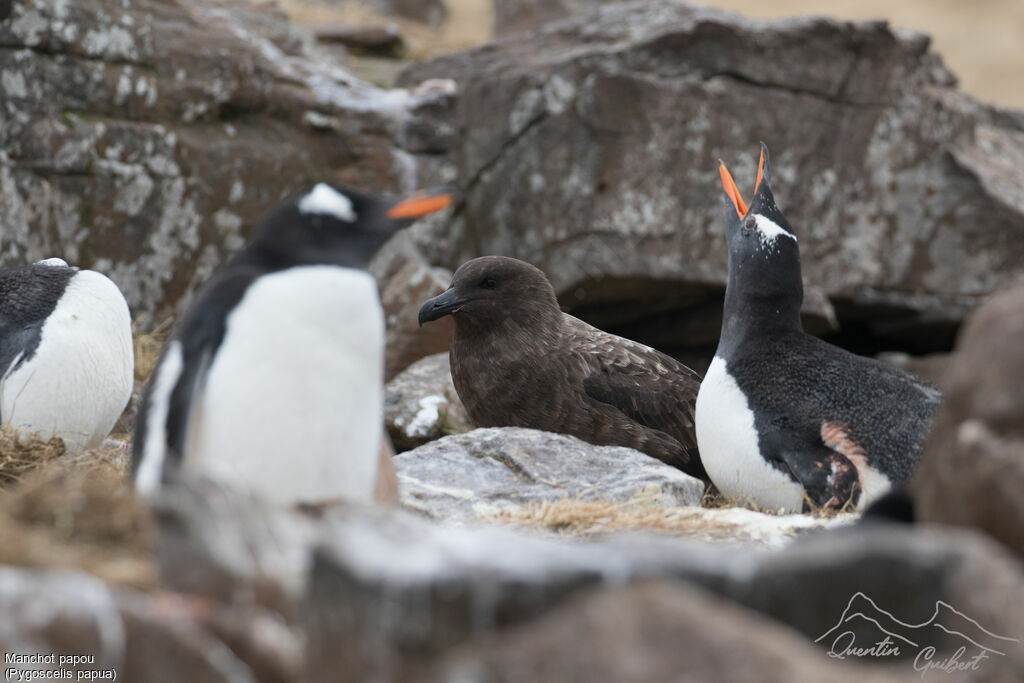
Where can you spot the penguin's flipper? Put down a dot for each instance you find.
(27, 296)
(161, 429)
(169, 415)
(8, 364)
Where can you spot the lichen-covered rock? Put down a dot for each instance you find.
(972, 470)
(421, 404)
(501, 469)
(145, 139)
(590, 148)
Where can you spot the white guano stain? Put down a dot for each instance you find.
(427, 415)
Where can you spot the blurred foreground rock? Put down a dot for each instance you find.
(421, 404)
(590, 143)
(426, 589)
(140, 637)
(653, 631)
(501, 469)
(381, 594)
(972, 469)
(232, 548)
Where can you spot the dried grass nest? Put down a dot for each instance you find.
(582, 517)
(72, 512)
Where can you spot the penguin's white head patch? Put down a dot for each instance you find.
(769, 229)
(54, 261)
(325, 199)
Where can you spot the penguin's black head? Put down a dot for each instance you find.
(764, 259)
(491, 290)
(332, 225)
(761, 227)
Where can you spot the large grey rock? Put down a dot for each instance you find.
(501, 469)
(421, 404)
(145, 139)
(389, 592)
(590, 148)
(972, 470)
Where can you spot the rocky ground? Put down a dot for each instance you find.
(143, 139)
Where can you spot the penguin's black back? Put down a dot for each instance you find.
(28, 295)
(795, 382)
(200, 333)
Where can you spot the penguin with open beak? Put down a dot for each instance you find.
(784, 419)
(272, 381)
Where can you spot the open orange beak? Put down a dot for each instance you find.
(419, 206)
(730, 185)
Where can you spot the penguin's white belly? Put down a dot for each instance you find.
(729, 447)
(292, 405)
(80, 377)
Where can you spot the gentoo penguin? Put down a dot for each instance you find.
(66, 354)
(785, 419)
(272, 379)
(518, 360)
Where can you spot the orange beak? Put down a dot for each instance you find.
(419, 206)
(731, 190)
(730, 185)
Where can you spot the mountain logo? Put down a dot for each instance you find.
(866, 630)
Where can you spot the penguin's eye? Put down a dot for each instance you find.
(488, 283)
(749, 224)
